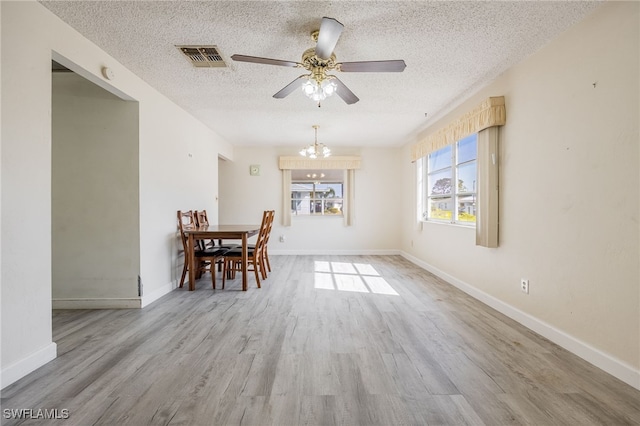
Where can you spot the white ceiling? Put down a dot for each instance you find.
(451, 49)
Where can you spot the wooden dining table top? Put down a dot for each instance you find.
(222, 231)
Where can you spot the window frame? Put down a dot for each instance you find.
(425, 176)
(313, 199)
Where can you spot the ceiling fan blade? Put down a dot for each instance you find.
(345, 93)
(258, 60)
(290, 88)
(330, 31)
(373, 66)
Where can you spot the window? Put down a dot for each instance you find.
(442, 199)
(317, 193)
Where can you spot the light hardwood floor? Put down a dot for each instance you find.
(348, 353)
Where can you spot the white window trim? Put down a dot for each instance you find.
(349, 164)
(424, 202)
(315, 198)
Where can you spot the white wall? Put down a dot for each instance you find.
(95, 214)
(175, 151)
(569, 196)
(375, 230)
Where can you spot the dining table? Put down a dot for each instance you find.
(219, 232)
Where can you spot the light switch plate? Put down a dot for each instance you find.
(254, 170)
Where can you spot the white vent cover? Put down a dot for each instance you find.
(203, 56)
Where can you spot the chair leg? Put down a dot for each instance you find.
(235, 266)
(213, 274)
(184, 272)
(255, 271)
(221, 264)
(266, 257)
(225, 271)
(263, 269)
(199, 270)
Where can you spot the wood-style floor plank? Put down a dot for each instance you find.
(327, 340)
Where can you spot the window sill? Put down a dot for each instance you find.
(443, 222)
(316, 216)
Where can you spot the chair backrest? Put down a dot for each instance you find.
(271, 215)
(264, 227)
(201, 218)
(186, 220)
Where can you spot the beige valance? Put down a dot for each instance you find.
(302, 163)
(489, 113)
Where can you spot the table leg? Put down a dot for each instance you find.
(244, 261)
(192, 264)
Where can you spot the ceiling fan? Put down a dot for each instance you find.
(317, 85)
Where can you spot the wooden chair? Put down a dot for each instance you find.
(205, 258)
(265, 251)
(255, 256)
(186, 220)
(202, 219)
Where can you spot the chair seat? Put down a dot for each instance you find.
(211, 252)
(237, 252)
(230, 246)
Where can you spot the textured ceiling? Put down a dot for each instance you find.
(451, 49)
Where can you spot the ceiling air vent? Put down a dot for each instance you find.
(203, 56)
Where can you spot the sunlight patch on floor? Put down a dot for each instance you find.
(353, 277)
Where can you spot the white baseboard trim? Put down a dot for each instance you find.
(18, 370)
(106, 303)
(382, 252)
(148, 299)
(617, 368)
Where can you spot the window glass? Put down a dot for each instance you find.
(440, 159)
(468, 148)
(440, 208)
(442, 199)
(467, 208)
(440, 183)
(317, 197)
(467, 177)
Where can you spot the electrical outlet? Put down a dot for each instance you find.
(524, 285)
(282, 238)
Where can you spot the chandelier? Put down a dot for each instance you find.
(315, 150)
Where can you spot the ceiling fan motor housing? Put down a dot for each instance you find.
(318, 67)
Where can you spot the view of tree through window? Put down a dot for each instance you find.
(453, 163)
(316, 197)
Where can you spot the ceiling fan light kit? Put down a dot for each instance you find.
(319, 90)
(318, 85)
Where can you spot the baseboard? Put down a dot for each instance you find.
(148, 299)
(611, 365)
(95, 303)
(18, 370)
(382, 252)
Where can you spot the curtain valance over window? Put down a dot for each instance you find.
(349, 164)
(489, 113)
(301, 163)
